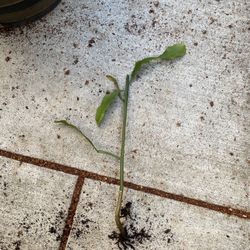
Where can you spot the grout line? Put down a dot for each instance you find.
(110, 180)
(71, 212)
(177, 197)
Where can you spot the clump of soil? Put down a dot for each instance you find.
(132, 235)
(130, 238)
(126, 211)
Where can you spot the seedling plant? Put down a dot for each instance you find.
(172, 52)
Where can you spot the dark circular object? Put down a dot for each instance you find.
(4, 3)
(23, 5)
(26, 10)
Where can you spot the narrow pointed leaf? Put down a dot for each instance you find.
(171, 53)
(68, 124)
(114, 80)
(107, 100)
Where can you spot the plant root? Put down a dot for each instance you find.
(131, 237)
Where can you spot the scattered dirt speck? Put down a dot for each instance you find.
(52, 230)
(134, 151)
(75, 61)
(7, 58)
(91, 42)
(90, 204)
(17, 245)
(78, 233)
(66, 72)
(84, 227)
(178, 124)
(156, 3)
(58, 237)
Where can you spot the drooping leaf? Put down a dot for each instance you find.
(114, 80)
(139, 64)
(107, 100)
(70, 125)
(171, 53)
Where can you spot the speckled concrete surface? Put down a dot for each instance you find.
(188, 130)
(188, 120)
(170, 224)
(33, 206)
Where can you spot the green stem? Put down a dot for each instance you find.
(118, 88)
(122, 154)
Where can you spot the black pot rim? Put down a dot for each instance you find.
(26, 20)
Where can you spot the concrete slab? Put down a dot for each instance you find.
(188, 130)
(171, 225)
(34, 205)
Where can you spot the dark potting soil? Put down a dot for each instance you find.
(134, 235)
(131, 237)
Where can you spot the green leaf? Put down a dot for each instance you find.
(171, 53)
(139, 64)
(107, 100)
(70, 125)
(113, 79)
